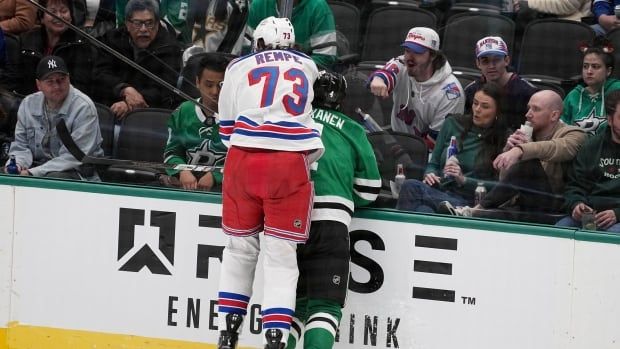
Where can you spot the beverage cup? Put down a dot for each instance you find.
(527, 130)
(588, 221)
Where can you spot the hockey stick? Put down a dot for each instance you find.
(65, 137)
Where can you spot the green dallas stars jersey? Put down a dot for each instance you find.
(346, 176)
(192, 140)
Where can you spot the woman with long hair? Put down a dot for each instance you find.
(584, 106)
(53, 37)
(480, 137)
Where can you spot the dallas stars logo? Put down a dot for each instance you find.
(206, 153)
(591, 122)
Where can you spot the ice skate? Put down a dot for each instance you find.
(274, 339)
(228, 338)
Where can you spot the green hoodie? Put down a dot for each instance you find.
(588, 111)
(594, 176)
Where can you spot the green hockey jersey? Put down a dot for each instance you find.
(346, 176)
(193, 140)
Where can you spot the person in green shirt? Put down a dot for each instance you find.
(584, 106)
(194, 136)
(313, 20)
(480, 138)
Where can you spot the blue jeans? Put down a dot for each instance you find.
(568, 221)
(417, 196)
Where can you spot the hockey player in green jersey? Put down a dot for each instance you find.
(193, 136)
(345, 177)
(313, 20)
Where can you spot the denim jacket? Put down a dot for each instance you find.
(80, 115)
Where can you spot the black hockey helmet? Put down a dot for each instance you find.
(329, 90)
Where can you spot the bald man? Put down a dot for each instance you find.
(532, 171)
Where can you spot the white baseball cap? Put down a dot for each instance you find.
(491, 46)
(421, 39)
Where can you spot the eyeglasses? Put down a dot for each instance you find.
(137, 24)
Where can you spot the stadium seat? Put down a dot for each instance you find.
(347, 18)
(143, 135)
(548, 85)
(472, 7)
(463, 30)
(392, 148)
(387, 28)
(550, 49)
(106, 125)
(358, 96)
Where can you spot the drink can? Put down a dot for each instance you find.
(617, 11)
(479, 193)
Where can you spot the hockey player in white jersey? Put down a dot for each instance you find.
(265, 120)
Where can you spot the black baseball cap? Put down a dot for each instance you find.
(51, 64)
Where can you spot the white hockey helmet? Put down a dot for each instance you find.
(275, 33)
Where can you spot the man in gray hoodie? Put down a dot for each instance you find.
(422, 84)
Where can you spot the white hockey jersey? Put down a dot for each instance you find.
(266, 102)
(421, 107)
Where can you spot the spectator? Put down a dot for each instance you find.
(218, 25)
(173, 16)
(480, 138)
(584, 106)
(37, 149)
(423, 87)
(532, 171)
(193, 134)
(313, 20)
(271, 138)
(605, 15)
(593, 180)
(53, 37)
(572, 10)
(124, 88)
(492, 59)
(17, 16)
(347, 177)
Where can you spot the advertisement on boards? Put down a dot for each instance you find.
(150, 267)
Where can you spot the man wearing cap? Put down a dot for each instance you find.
(492, 59)
(37, 149)
(423, 87)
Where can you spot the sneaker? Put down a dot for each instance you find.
(445, 207)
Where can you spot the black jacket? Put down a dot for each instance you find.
(76, 51)
(162, 58)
